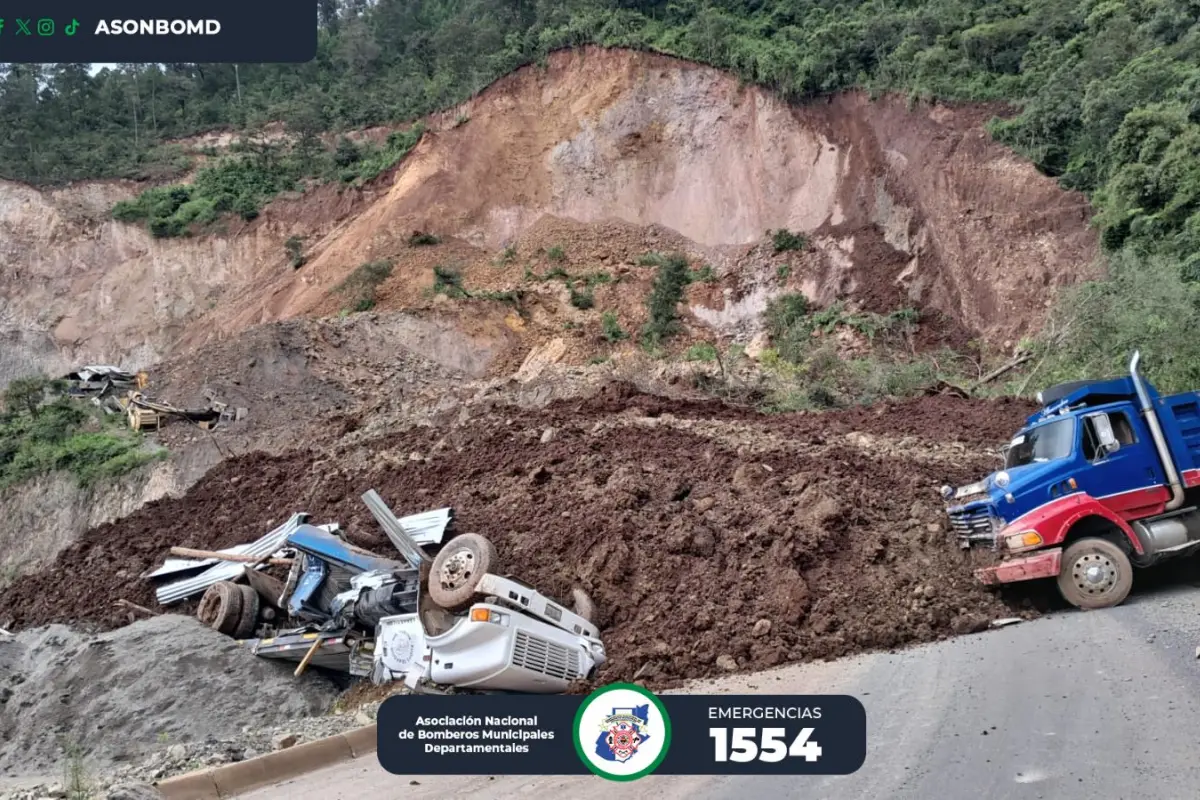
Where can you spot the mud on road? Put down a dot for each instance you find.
(705, 552)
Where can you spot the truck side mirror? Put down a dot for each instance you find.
(1104, 434)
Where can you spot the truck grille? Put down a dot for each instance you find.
(538, 655)
(973, 525)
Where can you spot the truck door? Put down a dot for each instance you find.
(1128, 479)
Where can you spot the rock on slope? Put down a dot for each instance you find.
(967, 228)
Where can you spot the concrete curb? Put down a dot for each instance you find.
(218, 783)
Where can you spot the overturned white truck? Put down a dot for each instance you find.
(445, 620)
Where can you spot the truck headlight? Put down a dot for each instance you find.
(1023, 540)
(1002, 479)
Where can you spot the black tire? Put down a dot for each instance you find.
(221, 607)
(458, 568)
(1095, 574)
(248, 621)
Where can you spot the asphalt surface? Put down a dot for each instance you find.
(1071, 706)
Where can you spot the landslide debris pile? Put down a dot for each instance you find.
(711, 538)
(161, 681)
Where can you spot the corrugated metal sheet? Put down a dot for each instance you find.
(173, 565)
(428, 525)
(229, 570)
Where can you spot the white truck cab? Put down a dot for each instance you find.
(512, 639)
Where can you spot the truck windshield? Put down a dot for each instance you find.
(1043, 443)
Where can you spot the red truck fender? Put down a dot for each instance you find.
(1055, 519)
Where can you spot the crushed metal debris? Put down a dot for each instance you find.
(430, 621)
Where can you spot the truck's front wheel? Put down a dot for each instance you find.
(458, 568)
(1095, 574)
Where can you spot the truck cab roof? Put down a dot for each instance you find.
(1063, 398)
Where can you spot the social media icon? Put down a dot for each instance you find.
(1, 24)
(23, 27)
(70, 29)
(45, 27)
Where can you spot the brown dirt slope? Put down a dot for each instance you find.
(609, 134)
(902, 206)
(690, 523)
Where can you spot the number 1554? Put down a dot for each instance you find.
(744, 744)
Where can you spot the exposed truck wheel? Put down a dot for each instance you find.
(1095, 574)
(458, 568)
(248, 621)
(221, 607)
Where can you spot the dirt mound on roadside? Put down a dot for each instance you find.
(693, 546)
(166, 680)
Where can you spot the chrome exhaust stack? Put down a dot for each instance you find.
(1160, 441)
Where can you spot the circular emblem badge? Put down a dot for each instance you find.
(622, 732)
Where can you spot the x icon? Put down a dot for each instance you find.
(23, 27)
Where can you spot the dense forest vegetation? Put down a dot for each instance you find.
(1108, 92)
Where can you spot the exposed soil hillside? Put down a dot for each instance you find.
(903, 207)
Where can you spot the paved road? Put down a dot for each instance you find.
(1075, 705)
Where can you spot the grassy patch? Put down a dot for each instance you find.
(360, 286)
(422, 239)
(665, 294)
(823, 380)
(791, 323)
(784, 240)
(701, 351)
(243, 181)
(43, 432)
(376, 160)
(667, 290)
(295, 250)
(512, 296)
(556, 272)
(448, 281)
(556, 253)
(506, 257)
(611, 326)
(809, 373)
(581, 296)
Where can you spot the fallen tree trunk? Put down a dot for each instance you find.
(187, 552)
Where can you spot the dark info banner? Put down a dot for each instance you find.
(151, 31)
(622, 732)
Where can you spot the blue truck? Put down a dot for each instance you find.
(1103, 478)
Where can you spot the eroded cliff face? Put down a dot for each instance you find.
(910, 206)
(78, 287)
(44, 515)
